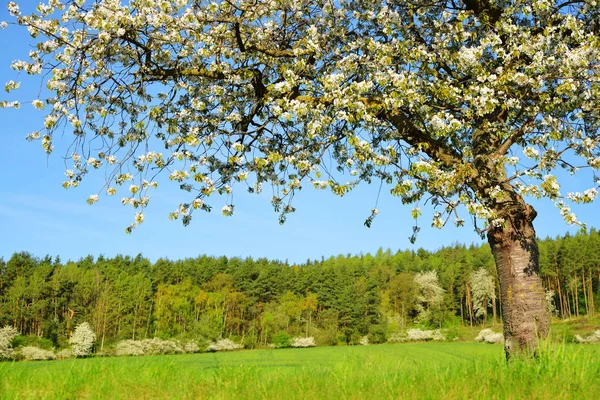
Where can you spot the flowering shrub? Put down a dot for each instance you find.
(83, 340)
(159, 346)
(130, 348)
(397, 337)
(593, 338)
(224, 345)
(425, 335)
(489, 336)
(65, 354)
(7, 334)
(152, 347)
(364, 340)
(304, 342)
(191, 347)
(31, 353)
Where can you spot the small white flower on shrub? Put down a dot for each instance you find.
(593, 338)
(419, 335)
(303, 342)
(83, 340)
(31, 353)
(489, 336)
(7, 334)
(364, 341)
(224, 345)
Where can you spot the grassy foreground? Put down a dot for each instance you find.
(400, 371)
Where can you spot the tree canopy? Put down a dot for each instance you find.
(467, 102)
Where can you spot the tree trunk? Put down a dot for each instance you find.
(524, 311)
(584, 287)
(591, 293)
(560, 296)
(469, 304)
(462, 317)
(494, 303)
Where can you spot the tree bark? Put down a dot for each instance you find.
(525, 315)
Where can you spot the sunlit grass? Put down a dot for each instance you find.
(402, 371)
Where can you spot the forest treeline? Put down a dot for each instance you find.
(339, 299)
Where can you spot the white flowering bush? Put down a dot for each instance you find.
(489, 336)
(419, 335)
(152, 347)
(224, 345)
(364, 341)
(130, 348)
(191, 347)
(159, 346)
(65, 354)
(7, 334)
(398, 337)
(303, 342)
(83, 340)
(32, 353)
(593, 338)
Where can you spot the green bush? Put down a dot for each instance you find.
(325, 337)
(281, 340)
(377, 334)
(32, 341)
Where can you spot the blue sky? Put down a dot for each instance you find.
(39, 216)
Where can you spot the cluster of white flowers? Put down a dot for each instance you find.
(420, 335)
(38, 104)
(153, 346)
(530, 152)
(94, 162)
(586, 197)
(31, 353)
(93, 198)
(303, 342)
(7, 334)
(569, 216)
(11, 85)
(227, 210)
(179, 175)
(489, 336)
(592, 338)
(224, 345)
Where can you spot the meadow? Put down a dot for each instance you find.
(399, 371)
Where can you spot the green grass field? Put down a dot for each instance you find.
(398, 371)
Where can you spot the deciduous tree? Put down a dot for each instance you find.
(471, 105)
